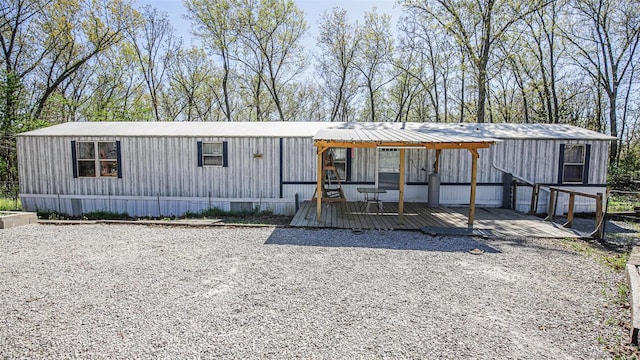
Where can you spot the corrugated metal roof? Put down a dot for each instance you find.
(309, 129)
(393, 135)
(183, 129)
(512, 131)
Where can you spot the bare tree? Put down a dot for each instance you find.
(605, 35)
(216, 24)
(338, 43)
(426, 56)
(154, 43)
(192, 80)
(374, 56)
(476, 26)
(273, 31)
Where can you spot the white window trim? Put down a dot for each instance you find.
(214, 154)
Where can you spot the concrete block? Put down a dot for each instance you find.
(633, 277)
(9, 219)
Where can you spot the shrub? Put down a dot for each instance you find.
(105, 215)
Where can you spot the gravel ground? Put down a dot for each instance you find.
(617, 233)
(127, 291)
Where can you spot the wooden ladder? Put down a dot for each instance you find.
(332, 186)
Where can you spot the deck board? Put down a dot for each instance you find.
(353, 215)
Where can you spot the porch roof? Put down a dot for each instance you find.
(399, 138)
(332, 137)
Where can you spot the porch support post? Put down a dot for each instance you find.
(401, 193)
(319, 186)
(436, 166)
(474, 176)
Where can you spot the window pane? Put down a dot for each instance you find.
(574, 154)
(340, 168)
(572, 174)
(212, 148)
(86, 150)
(107, 150)
(86, 168)
(389, 180)
(339, 154)
(108, 168)
(389, 160)
(212, 160)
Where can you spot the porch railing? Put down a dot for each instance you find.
(598, 233)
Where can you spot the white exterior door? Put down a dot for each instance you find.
(388, 173)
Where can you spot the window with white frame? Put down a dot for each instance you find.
(573, 165)
(212, 154)
(388, 168)
(96, 159)
(340, 162)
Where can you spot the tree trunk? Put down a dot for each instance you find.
(482, 95)
(336, 106)
(225, 88)
(371, 101)
(613, 125)
(462, 88)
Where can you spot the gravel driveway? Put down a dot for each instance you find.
(116, 291)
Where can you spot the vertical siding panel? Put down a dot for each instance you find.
(370, 164)
(168, 166)
(181, 174)
(170, 150)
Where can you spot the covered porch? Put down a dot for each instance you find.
(418, 216)
(401, 139)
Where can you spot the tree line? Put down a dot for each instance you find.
(529, 61)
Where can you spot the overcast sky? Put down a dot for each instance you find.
(313, 9)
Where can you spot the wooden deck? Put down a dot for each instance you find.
(352, 215)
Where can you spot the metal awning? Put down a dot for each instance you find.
(397, 138)
(402, 139)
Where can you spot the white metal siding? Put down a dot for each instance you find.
(538, 160)
(160, 174)
(299, 160)
(163, 166)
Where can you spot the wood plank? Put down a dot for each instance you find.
(428, 219)
(350, 215)
(472, 196)
(401, 191)
(437, 216)
(350, 206)
(389, 221)
(357, 214)
(413, 221)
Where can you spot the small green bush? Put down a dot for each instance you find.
(216, 212)
(625, 176)
(94, 215)
(51, 215)
(9, 204)
(105, 215)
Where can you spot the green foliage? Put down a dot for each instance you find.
(105, 215)
(258, 41)
(93, 215)
(626, 174)
(52, 215)
(216, 212)
(207, 213)
(616, 261)
(618, 202)
(7, 204)
(622, 293)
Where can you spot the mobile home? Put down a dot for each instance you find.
(169, 168)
